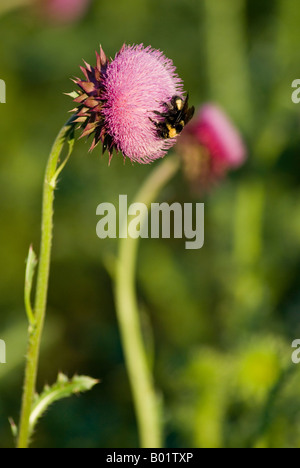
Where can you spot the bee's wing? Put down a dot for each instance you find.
(189, 114)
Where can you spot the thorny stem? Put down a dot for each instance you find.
(36, 328)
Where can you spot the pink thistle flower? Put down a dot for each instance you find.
(64, 11)
(211, 146)
(214, 130)
(123, 103)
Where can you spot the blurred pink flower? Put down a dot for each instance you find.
(214, 130)
(211, 145)
(119, 100)
(64, 11)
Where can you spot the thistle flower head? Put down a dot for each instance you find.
(211, 146)
(120, 102)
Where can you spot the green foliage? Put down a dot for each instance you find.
(63, 388)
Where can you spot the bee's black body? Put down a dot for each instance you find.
(178, 114)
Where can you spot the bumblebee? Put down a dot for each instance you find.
(173, 121)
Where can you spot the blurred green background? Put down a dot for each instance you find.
(220, 320)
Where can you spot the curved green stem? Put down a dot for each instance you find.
(141, 381)
(37, 321)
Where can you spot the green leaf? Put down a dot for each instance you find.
(29, 274)
(63, 388)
